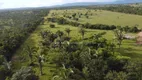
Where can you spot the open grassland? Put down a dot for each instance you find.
(102, 17)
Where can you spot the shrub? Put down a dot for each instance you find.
(52, 26)
(116, 76)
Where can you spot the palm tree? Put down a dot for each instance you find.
(7, 64)
(52, 37)
(63, 74)
(59, 33)
(40, 61)
(82, 32)
(31, 51)
(68, 31)
(25, 73)
(44, 34)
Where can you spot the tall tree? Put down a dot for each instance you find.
(7, 64)
(40, 61)
(68, 31)
(59, 33)
(82, 32)
(96, 69)
(119, 36)
(25, 73)
(63, 74)
(134, 70)
(30, 51)
(113, 75)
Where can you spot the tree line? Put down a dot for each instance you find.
(123, 8)
(63, 21)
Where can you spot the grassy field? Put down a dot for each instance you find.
(129, 47)
(103, 17)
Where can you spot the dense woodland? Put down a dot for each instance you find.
(90, 58)
(124, 9)
(16, 26)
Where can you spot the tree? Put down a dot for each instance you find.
(52, 37)
(68, 31)
(7, 64)
(134, 29)
(3, 72)
(96, 69)
(82, 32)
(61, 20)
(126, 29)
(52, 26)
(3, 68)
(74, 15)
(45, 34)
(59, 33)
(134, 70)
(113, 75)
(63, 74)
(119, 36)
(111, 46)
(30, 51)
(42, 21)
(40, 61)
(25, 73)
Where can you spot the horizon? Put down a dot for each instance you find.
(7, 4)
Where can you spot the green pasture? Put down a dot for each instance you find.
(102, 17)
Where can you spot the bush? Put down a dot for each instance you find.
(76, 19)
(116, 76)
(134, 70)
(117, 63)
(52, 26)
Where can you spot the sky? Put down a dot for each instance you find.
(39, 3)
